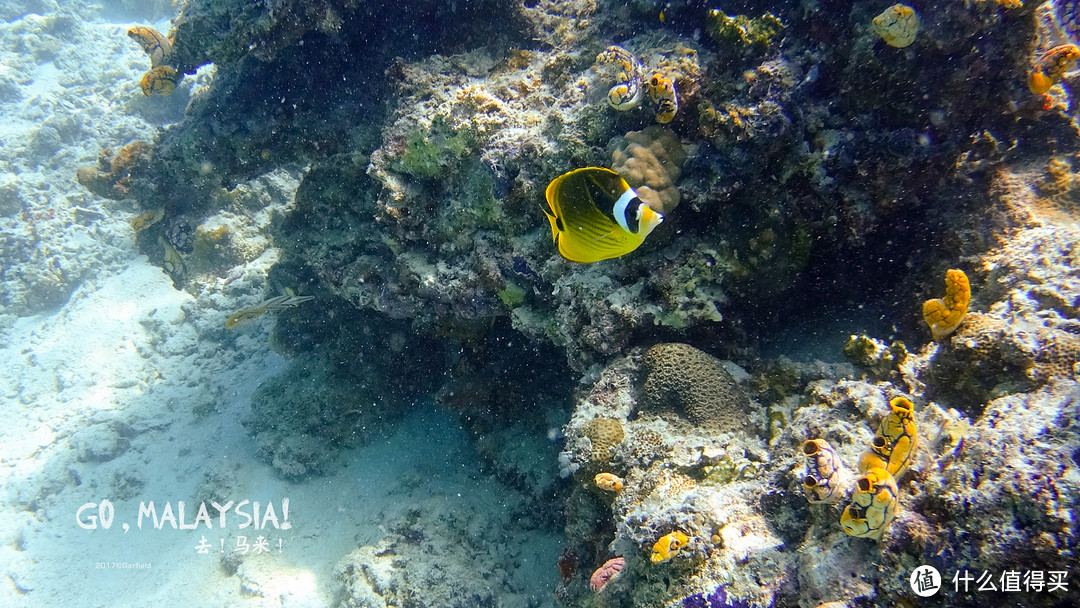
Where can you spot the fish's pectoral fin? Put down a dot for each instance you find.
(603, 236)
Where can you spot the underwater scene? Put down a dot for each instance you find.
(539, 303)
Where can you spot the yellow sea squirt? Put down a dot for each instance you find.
(944, 315)
(668, 546)
(873, 505)
(897, 25)
(1051, 66)
(896, 439)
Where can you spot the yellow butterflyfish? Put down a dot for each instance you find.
(595, 215)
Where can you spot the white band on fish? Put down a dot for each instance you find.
(619, 210)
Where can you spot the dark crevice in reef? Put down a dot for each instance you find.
(281, 100)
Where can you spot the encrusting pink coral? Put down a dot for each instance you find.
(606, 573)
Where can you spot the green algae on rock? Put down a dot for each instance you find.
(759, 31)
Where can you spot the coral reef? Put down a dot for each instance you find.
(507, 116)
(806, 169)
(686, 493)
(916, 495)
(603, 434)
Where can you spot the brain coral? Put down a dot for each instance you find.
(605, 434)
(696, 385)
(651, 161)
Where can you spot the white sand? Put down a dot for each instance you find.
(115, 386)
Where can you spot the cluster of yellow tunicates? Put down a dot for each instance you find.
(873, 498)
(162, 78)
(631, 85)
